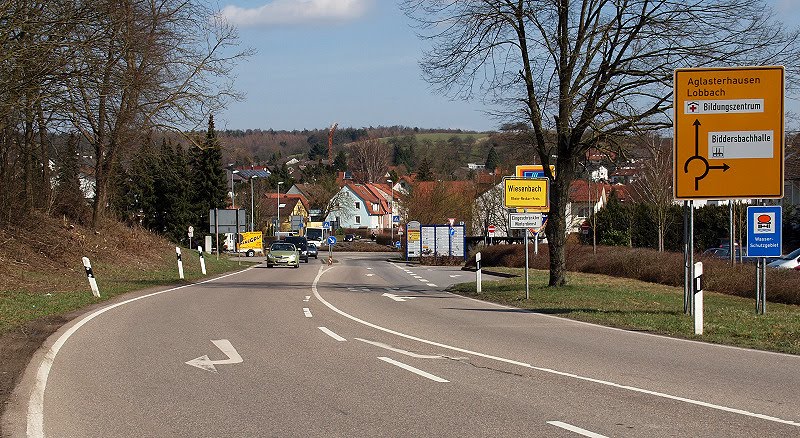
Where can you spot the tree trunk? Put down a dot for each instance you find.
(556, 228)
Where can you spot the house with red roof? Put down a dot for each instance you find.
(363, 205)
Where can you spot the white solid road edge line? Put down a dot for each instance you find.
(315, 291)
(328, 332)
(35, 415)
(575, 429)
(416, 371)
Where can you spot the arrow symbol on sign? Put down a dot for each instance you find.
(396, 297)
(724, 167)
(696, 137)
(204, 363)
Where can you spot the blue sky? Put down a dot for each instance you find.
(348, 61)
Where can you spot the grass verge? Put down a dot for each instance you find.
(637, 305)
(18, 307)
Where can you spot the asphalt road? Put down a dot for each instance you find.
(372, 348)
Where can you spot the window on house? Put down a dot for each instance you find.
(358, 219)
(358, 205)
(375, 208)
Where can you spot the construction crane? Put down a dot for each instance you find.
(330, 142)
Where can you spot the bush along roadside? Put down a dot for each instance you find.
(783, 285)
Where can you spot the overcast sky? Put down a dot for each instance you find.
(348, 61)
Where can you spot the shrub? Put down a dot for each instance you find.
(783, 285)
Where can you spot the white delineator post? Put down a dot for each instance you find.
(180, 262)
(478, 272)
(90, 275)
(698, 298)
(202, 259)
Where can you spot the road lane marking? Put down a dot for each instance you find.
(423, 280)
(307, 312)
(432, 285)
(308, 297)
(204, 363)
(332, 334)
(35, 417)
(370, 275)
(575, 429)
(416, 371)
(316, 293)
(398, 350)
(396, 297)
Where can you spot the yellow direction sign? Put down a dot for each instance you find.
(729, 134)
(529, 193)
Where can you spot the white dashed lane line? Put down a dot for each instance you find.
(330, 333)
(416, 371)
(575, 429)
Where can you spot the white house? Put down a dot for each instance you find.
(362, 206)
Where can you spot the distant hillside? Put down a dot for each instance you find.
(266, 147)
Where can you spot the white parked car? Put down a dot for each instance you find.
(789, 261)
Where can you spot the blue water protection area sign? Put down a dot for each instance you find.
(331, 240)
(764, 231)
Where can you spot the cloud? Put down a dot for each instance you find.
(289, 12)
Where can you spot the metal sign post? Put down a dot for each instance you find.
(331, 241)
(527, 282)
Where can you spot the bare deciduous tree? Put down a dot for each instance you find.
(587, 71)
(371, 158)
(654, 185)
(151, 64)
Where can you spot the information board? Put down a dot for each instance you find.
(728, 133)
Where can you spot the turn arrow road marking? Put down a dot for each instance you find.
(397, 298)
(204, 363)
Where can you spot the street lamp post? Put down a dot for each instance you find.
(233, 192)
(252, 205)
(278, 225)
(391, 211)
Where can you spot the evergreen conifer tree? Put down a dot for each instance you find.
(492, 160)
(424, 171)
(340, 162)
(209, 184)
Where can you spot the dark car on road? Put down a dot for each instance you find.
(302, 245)
(312, 250)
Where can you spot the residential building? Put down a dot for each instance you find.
(365, 205)
(293, 211)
